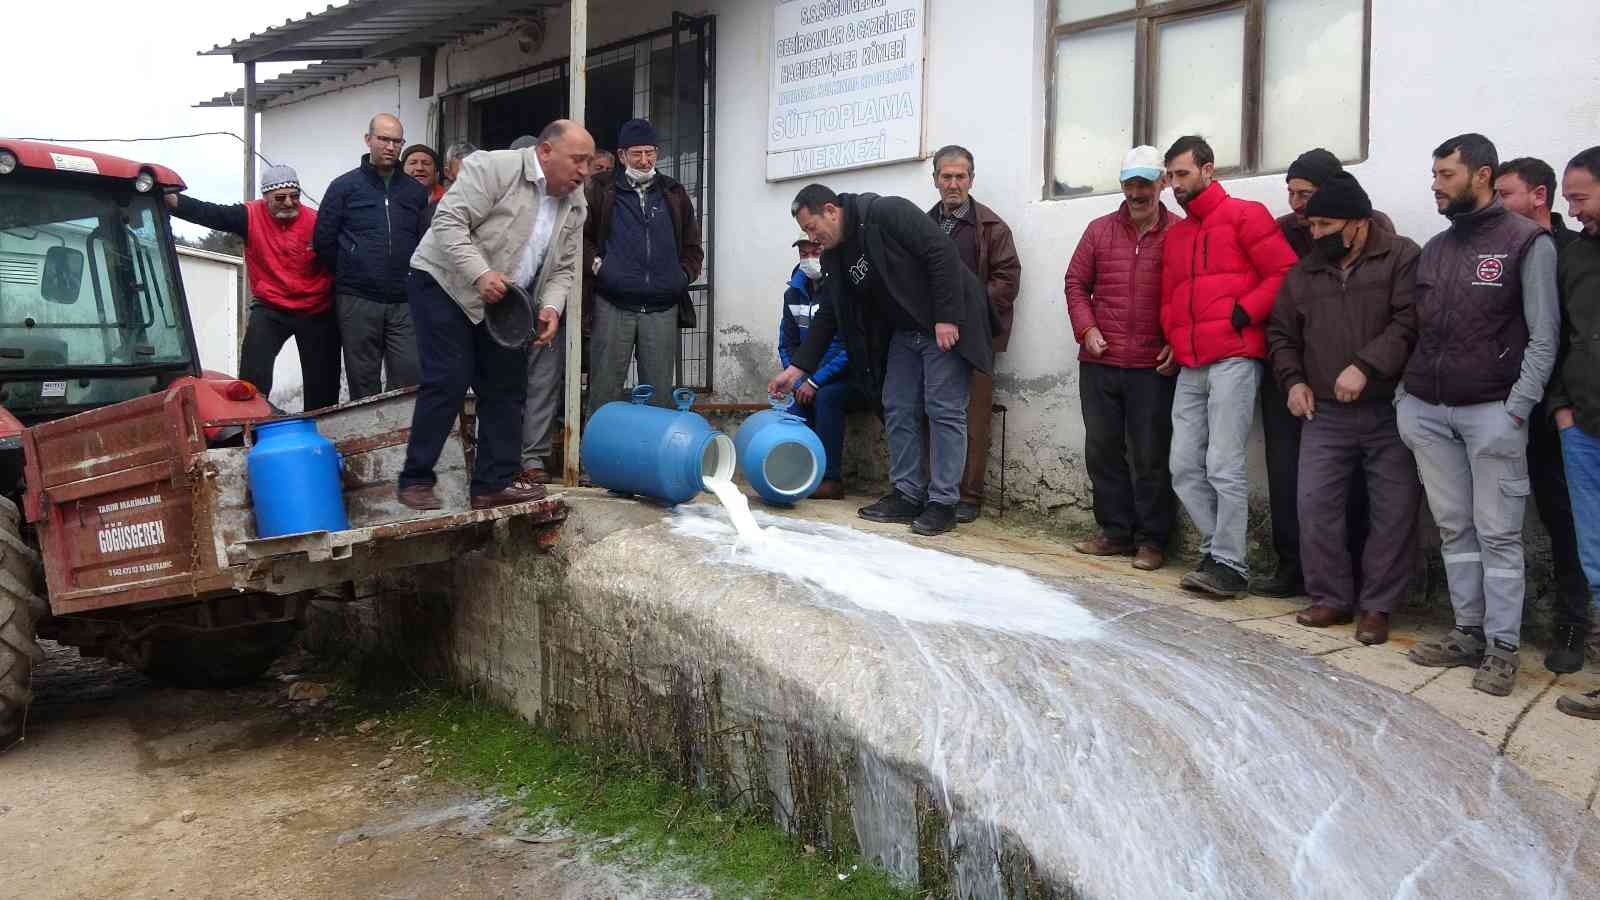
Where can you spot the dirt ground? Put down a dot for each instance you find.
(125, 788)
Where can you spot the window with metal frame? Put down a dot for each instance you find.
(1261, 80)
(667, 76)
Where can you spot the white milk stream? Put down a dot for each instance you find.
(738, 507)
(1145, 751)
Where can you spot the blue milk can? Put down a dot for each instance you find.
(294, 480)
(780, 455)
(666, 454)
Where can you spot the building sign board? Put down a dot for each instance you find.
(846, 86)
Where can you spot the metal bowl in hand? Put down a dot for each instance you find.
(511, 321)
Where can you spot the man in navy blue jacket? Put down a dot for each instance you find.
(821, 396)
(369, 224)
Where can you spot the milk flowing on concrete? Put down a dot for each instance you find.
(738, 507)
(1139, 750)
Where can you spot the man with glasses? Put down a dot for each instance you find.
(293, 292)
(370, 222)
(643, 246)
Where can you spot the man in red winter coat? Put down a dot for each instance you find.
(293, 292)
(1125, 367)
(1221, 270)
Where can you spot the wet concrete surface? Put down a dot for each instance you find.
(126, 788)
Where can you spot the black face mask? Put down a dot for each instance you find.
(1331, 247)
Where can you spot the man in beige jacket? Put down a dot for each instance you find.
(513, 217)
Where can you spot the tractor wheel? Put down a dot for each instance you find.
(205, 661)
(19, 583)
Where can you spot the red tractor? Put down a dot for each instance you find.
(135, 538)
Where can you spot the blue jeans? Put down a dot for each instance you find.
(825, 415)
(925, 386)
(1211, 413)
(1580, 452)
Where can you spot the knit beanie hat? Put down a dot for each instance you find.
(1315, 166)
(1340, 197)
(637, 133)
(420, 148)
(276, 177)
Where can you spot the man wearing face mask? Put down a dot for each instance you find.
(1486, 331)
(1341, 330)
(293, 293)
(642, 243)
(821, 396)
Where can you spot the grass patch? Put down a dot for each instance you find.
(592, 790)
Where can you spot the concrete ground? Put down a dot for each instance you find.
(1556, 749)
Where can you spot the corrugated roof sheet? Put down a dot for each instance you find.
(375, 29)
(288, 83)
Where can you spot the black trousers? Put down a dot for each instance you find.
(456, 355)
(316, 337)
(1127, 420)
(1549, 477)
(1281, 431)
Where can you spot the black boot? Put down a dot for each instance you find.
(1566, 648)
(936, 518)
(1285, 582)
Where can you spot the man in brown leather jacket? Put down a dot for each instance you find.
(984, 242)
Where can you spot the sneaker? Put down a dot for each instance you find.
(936, 518)
(1497, 674)
(891, 507)
(967, 512)
(1566, 649)
(1219, 580)
(1287, 581)
(1584, 706)
(1457, 648)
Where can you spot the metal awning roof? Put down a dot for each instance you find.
(287, 83)
(375, 29)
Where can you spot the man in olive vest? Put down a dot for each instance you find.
(1487, 319)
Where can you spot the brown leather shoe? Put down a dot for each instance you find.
(1373, 628)
(829, 489)
(1318, 616)
(518, 491)
(1148, 559)
(1100, 545)
(419, 496)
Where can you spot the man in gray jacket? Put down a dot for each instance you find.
(513, 217)
(1487, 319)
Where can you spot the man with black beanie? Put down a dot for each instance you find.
(1279, 429)
(1340, 333)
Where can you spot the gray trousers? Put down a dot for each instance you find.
(925, 387)
(1212, 409)
(376, 337)
(546, 377)
(1474, 467)
(619, 334)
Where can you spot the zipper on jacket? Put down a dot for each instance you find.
(1194, 321)
(388, 231)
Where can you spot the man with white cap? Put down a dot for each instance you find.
(293, 293)
(1125, 367)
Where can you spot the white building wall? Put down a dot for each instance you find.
(1437, 70)
(211, 285)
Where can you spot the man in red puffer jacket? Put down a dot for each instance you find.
(1125, 367)
(1221, 270)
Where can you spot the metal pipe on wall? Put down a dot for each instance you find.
(577, 83)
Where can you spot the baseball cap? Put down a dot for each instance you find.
(1142, 162)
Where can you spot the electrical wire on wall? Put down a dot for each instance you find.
(166, 137)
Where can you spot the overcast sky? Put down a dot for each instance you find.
(97, 69)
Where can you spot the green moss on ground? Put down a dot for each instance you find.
(647, 818)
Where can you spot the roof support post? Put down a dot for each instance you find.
(577, 84)
(249, 186)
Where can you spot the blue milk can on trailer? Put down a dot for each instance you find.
(294, 480)
(780, 455)
(633, 448)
